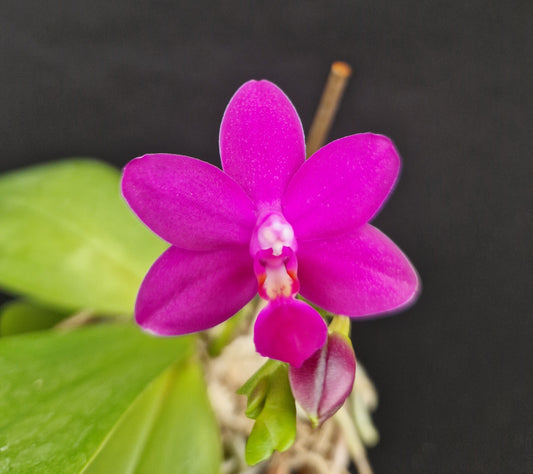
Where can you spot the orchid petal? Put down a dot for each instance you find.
(341, 186)
(188, 202)
(261, 140)
(187, 291)
(290, 331)
(357, 274)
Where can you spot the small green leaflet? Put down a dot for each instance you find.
(68, 239)
(62, 393)
(271, 405)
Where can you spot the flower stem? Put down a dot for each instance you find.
(329, 103)
(81, 318)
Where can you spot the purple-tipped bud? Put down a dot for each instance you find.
(324, 381)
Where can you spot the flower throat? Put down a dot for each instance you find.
(273, 248)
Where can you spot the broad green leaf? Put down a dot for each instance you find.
(17, 317)
(170, 429)
(271, 404)
(61, 393)
(68, 239)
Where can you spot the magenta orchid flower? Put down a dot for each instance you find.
(270, 222)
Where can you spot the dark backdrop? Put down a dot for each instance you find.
(448, 81)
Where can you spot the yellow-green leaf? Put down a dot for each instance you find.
(62, 393)
(67, 238)
(170, 429)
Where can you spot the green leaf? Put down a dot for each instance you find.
(271, 404)
(17, 317)
(169, 429)
(61, 393)
(68, 239)
(256, 388)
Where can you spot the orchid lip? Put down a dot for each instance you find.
(276, 275)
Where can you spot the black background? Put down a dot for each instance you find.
(448, 81)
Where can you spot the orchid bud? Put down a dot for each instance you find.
(324, 381)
